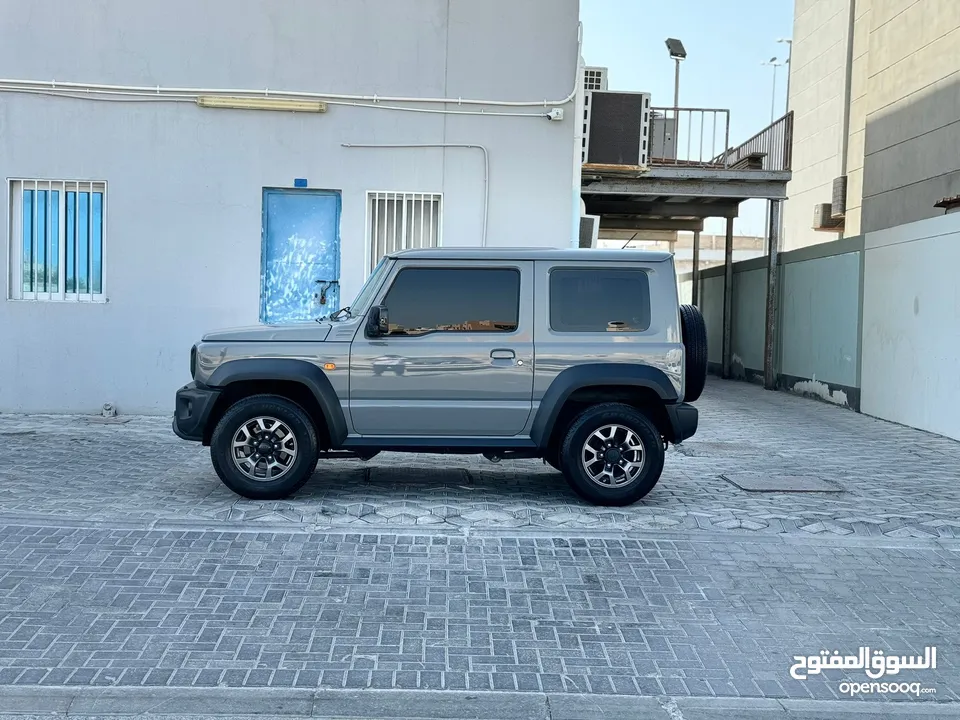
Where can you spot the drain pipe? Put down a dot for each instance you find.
(486, 168)
(847, 93)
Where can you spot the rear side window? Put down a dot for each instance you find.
(599, 300)
(429, 300)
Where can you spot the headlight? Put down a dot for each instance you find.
(193, 361)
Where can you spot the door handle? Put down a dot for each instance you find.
(502, 354)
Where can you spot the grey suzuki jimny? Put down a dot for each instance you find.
(582, 357)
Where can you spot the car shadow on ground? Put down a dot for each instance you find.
(482, 487)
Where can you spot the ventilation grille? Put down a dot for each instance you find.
(839, 204)
(594, 78)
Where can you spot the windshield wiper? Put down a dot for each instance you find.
(334, 316)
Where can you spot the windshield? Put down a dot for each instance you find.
(365, 296)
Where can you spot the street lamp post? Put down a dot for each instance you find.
(772, 62)
(678, 53)
(773, 98)
(789, 43)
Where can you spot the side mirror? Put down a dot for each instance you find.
(379, 323)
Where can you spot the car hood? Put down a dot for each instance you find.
(312, 331)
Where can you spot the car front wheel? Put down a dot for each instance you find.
(264, 447)
(612, 455)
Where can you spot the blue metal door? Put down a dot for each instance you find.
(300, 267)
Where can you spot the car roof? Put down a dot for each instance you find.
(532, 253)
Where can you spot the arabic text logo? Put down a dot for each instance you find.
(875, 665)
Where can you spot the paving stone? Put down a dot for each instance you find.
(683, 617)
(138, 472)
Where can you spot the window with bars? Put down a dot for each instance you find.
(401, 221)
(57, 240)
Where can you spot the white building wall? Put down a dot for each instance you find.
(911, 311)
(184, 184)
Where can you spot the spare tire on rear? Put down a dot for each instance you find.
(694, 331)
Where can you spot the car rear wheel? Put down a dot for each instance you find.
(694, 331)
(552, 457)
(264, 447)
(612, 455)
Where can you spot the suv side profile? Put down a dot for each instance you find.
(584, 358)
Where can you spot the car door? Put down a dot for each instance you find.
(458, 357)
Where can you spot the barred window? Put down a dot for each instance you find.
(57, 240)
(401, 221)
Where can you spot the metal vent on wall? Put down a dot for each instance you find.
(594, 78)
(839, 201)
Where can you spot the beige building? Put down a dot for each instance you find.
(875, 90)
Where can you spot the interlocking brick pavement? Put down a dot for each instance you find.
(896, 481)
(104, 607)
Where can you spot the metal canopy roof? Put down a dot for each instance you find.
(675, 193)
(678, 191)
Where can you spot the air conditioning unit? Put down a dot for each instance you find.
(839, 205)
(823, 218)
(594, 78)
(589, 230)
(616, 128)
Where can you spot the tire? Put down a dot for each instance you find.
(277, 414)
(598, 419)
(694, 331)
(552, 457)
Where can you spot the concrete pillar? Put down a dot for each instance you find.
(773, 289)
(728, 300)
(696, 268)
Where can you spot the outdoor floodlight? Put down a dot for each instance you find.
(675, 47)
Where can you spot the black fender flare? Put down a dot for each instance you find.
(299, 371)
(593, 374)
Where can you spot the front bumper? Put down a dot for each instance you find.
(194, 404)
(684, 419)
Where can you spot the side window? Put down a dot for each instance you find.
(599, 300)
(425, 300)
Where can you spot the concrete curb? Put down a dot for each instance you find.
(117, 703)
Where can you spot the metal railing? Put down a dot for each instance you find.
(770, 149)
(688, 136)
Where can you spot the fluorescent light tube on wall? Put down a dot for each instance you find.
(254, 103)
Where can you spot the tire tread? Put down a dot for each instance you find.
(694, 331)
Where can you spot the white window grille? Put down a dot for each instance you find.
(57, 239)
(402, 221)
